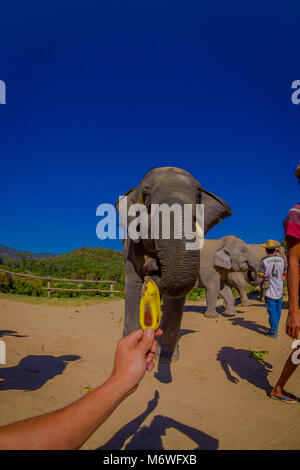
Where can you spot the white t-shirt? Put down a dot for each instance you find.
(272, 267)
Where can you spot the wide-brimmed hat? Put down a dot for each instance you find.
(271, 244)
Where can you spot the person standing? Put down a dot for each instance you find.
(272, 269)
(292, 235)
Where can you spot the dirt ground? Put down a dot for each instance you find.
(216, 398)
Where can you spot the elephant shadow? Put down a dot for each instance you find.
(33, 372)
(11, 333)
(238, 362)
(163, 374)
(195, 308)
(249, 324)
(255, 294)
(150, 437)
(202, 309)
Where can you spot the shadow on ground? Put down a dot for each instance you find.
(202, 309)
(11, 333)
(249, 324)
(237, 364)
(164, 370)
(240, 321)
(33, 372)
(150, 437)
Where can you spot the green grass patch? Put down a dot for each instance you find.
(59, 301)
(258, 356)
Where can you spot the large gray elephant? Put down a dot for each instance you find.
(242, 280)
(174, 268)
(218, 259)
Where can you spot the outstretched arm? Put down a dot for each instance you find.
(69, 427)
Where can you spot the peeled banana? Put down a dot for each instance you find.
(150, 311)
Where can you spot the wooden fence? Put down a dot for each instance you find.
(111, 290)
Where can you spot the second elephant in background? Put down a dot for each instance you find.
(219, 258)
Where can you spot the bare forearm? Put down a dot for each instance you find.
(293, 284)
(69, 427)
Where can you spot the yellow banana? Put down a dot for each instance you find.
(150, 311)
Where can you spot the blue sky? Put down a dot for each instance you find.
(99, 92)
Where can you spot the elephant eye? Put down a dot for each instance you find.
(146, 196)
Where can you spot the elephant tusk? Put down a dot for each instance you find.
(199, 231)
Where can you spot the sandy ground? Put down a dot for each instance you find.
(217, 398)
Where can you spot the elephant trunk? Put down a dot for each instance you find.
(252, 277)
(179, 272)
(179, 266)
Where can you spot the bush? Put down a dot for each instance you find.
(24, 287)
(195, 293)
(6, 282)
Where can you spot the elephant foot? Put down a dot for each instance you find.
(230, 313)
(165, 357)
(211, 314)
(176, 354)
(246, 304)
(229, 310)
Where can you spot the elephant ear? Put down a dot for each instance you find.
(134, 196)
(131, 195)
(222, 259)
(215, 209)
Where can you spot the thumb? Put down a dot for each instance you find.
(146, 341)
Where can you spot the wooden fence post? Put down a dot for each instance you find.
(48, 286)
(111, 288)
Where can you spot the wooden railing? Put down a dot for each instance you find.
(111, 290)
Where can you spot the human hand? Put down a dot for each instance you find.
(134, 355)
(293, 324)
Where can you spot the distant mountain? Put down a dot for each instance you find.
(11, 253)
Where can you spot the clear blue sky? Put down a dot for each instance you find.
(99, 92)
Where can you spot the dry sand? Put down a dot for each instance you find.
(217, 398)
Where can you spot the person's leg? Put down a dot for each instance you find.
(271, 307)
(288, 369)
(278, 310)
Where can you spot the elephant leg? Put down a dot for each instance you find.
(133, 289)
(229, 301)
(171, 320)
(212, 293)
(224, 304)
(243, 296)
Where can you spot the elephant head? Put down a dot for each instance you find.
(232, 255)
(177, 267)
